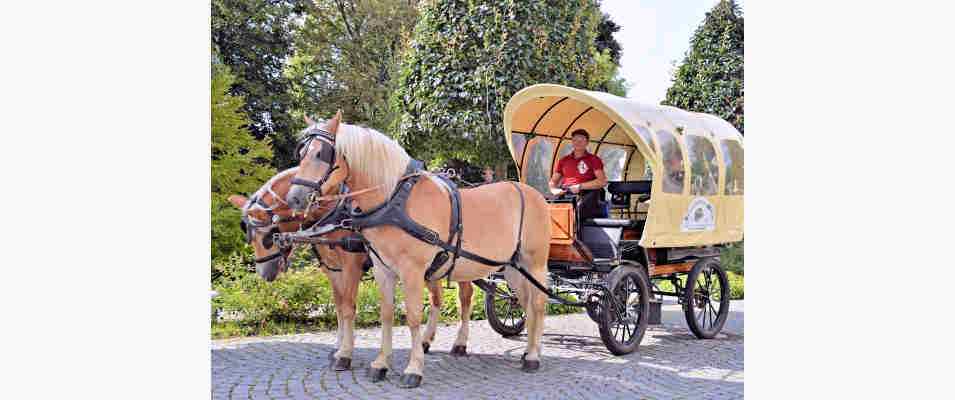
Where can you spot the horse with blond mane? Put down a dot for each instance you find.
(423, 228)
(266, 213)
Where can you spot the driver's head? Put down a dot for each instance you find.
(579, 139)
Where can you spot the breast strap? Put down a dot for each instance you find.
(394, 212)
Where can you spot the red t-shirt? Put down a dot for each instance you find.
(578, 170)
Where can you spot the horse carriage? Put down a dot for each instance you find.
(674, 196)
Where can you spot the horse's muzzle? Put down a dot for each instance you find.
(297, 197)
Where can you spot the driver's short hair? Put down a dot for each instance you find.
(580, 132)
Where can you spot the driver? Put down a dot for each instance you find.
(581, 173)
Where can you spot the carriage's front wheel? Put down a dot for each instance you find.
(706, 299)
(503, 310)
(623, 315)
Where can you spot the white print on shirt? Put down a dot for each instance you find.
(582, 167)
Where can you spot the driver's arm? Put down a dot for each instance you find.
(554, 184)
(598, 183)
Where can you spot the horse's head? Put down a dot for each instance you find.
(264, 215)
(321, 168)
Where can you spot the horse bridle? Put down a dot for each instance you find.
(326, 155)
(250, 225)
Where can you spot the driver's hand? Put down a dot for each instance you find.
(575, 189)
(556, 191)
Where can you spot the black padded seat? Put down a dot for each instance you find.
(608, 222)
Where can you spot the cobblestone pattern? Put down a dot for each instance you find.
(670, 364)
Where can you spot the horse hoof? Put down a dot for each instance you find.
(377, 374)
(459, 350)
(524, 356)
(343, 364)
(408, 381)
(426, 346)
(531, 365)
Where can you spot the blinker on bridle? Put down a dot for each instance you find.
(326, 155)
(250, 225)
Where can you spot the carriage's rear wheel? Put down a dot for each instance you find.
(706, 299)
(503, 310)
(623, 315)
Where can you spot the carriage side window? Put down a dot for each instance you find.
(672, 162)
(704, 167)
(614, 158)
(538, 164)
(519, 140)
(733, 164)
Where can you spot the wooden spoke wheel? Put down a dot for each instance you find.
(706, 299)
(503, 310)
(623, 315)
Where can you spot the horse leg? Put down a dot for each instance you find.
(413, 282)
(337, 299)
(434, 287)
(350, 279)
(465, 290)
(536, 310)
(386, 289)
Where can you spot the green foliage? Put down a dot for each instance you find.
(605, 39)
(300, 300)
(346, 58)
(239, 162)
(465, 61)
(710, 79)
(254, 38)
(732, 258)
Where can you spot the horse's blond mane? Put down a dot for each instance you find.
(379, 157)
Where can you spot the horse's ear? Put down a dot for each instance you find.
(309, 121)
(332, 124)
(238, 201)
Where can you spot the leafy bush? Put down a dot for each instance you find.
(732, 258)
(301, 300)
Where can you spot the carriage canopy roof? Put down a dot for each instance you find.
(694, 160)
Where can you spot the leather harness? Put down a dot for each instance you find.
(393, 212)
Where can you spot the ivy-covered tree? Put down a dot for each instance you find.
(240, 163)
(710, 79)
(346, 57)
(254, 38)
(465, 61)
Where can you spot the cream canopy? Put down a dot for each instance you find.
(694, 160)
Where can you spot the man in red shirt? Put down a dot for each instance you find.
(581, 173)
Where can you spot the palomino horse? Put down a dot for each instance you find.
(493, 218)
(267, 213)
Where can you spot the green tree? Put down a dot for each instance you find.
(710, 79)
(254, 38)
(346, 57)
(239, 162)
(466, 59)
(605, 39)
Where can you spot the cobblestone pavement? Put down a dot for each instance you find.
(670, 364)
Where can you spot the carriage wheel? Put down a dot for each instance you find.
(503, 310)
(706, 299)
(623, 315)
